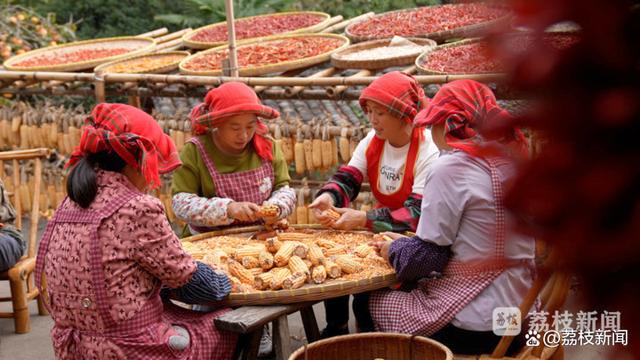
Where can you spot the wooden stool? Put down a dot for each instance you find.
(248, 321)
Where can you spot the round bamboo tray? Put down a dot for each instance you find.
(338, 60)
(206, 45)
(269, 68)
(137, 45)
(331, 288)
(421, 59)
(105, 68)
(368, 346)
(473, 30)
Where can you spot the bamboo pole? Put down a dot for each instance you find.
(332, 21)
(170, 45)
(24, 154)
(294, 72)
(344, 24)
(35, 211)
(410, 70)
(231, 29)
(154, 33)
(333, 92)
(99, 88)
(172, 36)
(290, 92)
(17, 201)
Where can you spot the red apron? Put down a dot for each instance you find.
(435, 302)
(144, 336)
(374, 154)
(252, 185)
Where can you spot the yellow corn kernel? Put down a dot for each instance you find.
(268, 210)
(338, 249)
(279, 275)
(296, 265)
(363, 250)
(319, 274)
(263, 281)
(292, 236)
(286, 251)
(266, 260)
(332, 269)
(315, 255)
(348, 264)
(327, 244)
(294, 281)
(236, 269)
(252, 250)
(250, 262)
(256, 271)
(273, 244)
(298, 151)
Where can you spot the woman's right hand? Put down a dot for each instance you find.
(243, 211)
(319, 206)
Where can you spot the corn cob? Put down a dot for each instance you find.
(273, 244)
(250, 262)
(345, 152)
(236, 269)
(348, 264)
(315, 255)
(302, 214)
(299, 157)
(279, 275)
(327, 156)
(327, 244)
(316, 145)
(296, 265)
(332, 269)
(252, 250)
(334, 152)
(311, 217)
(256, 271)
(308, 154)
(294, 281)
(308, 263)
(287, 149)
(286, 251)
(334, 215)
(292, 236)
(263, 281)
(217, 257)
(319, 274)
(336, 250)
(268, 210)
(266, 260)
(363, 250)
(301, 250)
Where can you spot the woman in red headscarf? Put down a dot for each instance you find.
(463, 233)
(395, 156)
(231, 167)
(109, 249)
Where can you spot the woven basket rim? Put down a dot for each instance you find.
(437, 35)
(186, 38)
(309, 292)
(338, 62)
(426, 71)
(151, 44)
(270, 68)
(374, 336)
(161, 69)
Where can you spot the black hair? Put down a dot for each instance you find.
(82, 187)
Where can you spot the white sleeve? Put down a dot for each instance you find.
(359, 157)
(428, 154)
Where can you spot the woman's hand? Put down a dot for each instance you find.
(243, 211)
(382, 241)
(319, 206)
(349, 219)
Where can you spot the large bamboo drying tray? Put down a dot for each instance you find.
(179, 55)
(338, 60)
(426, 71)
(472, 30)
(206, 45)
(388, 346)
(331, 288)
(138, 45)
(269, 68)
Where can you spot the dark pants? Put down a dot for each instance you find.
(11, 251)
(468, 342)
(337, 312)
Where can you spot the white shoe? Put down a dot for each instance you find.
(266, 344)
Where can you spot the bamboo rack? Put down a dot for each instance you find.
(345, 23)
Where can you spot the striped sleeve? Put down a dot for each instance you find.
(400, 220)
(344, 185)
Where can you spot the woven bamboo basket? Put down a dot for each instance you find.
(138, 46)
(179, 55)
(187, 38)
(309, 292)
(369, 346)
(338, 60)
(270, 68)
(473, 30)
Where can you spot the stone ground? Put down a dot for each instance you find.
(37, 343)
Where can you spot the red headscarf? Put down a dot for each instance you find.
(134, 135)
(474, 122)
(398, 92)
(230, 99)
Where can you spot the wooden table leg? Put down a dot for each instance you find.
(281, 338)
(250, 345)
(310, 324)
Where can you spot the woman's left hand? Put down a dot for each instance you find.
(382, 248)
(350, 219)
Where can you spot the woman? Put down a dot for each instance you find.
(109, 248)
(463, 232)
(231, 167)
(395, 156)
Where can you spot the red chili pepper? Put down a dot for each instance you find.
(60, 57)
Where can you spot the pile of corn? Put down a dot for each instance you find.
(290, 260)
